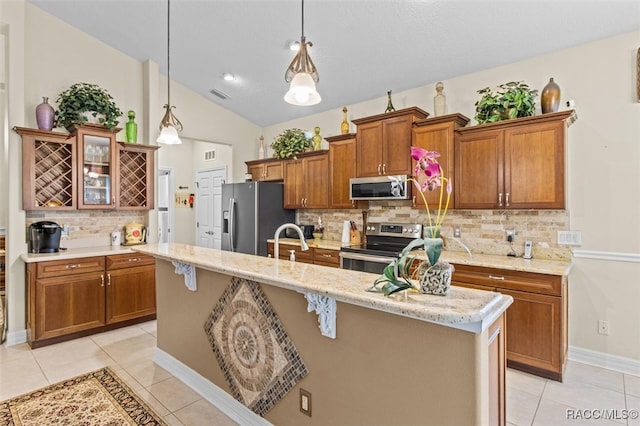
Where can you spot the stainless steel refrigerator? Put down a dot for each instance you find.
(251, 213)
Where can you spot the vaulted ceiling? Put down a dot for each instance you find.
(361, 48)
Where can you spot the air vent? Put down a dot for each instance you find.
(210, 155)
(219, 94)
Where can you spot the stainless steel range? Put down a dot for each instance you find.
(383, 243)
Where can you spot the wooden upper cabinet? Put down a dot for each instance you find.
(266, 170)
(134, 179)
(96, 166)
(306, 181)
(48, 170)
(516, 164)
(437, 134)
(383, 142)
(342, 167)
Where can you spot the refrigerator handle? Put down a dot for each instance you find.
(232, 223)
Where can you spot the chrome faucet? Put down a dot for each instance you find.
(276, 237)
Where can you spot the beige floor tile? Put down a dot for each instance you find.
(150, 327)
(118, 335)
(633, 409)
(147, 372)
(552, 413)
(172, 420)
(585, 373)
(132, 349)
(202, 412)
(10, 353)
(129, 379)
(632, 385)
(173, 394)
(525, 382)
(583, 396)
(153, 402)
(20, 376)
(521, 407)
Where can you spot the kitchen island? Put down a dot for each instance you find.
(237, 324)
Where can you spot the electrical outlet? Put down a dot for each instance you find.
(603, 327)
(456, 232)
(510, 235)
(305, 402)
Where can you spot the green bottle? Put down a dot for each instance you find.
(131, 128)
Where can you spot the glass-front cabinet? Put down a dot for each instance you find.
(96, 165)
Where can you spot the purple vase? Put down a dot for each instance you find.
(44, 115)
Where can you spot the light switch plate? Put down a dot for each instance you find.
(571, 238)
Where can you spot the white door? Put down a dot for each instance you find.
(209, 207)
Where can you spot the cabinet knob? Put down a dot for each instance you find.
(137, 259)
(102, 280)
(507, 199)
(500, 199)
(326, 255)
(384, 169)
(379, 169)
(72, 266)
(108, 279)
(497, 277)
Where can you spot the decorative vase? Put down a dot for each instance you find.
(550, 97)
(439, 101)
(344, 126)
(317, 139)
(261, 149)
(45, 115)
(131, 128)
(435, 279)
(390, 107)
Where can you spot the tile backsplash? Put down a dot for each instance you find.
(483, 231)
(88, 228)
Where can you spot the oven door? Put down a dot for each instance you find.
(364, 262)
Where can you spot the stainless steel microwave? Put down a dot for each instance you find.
(380, 188)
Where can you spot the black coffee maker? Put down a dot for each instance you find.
(44, 237)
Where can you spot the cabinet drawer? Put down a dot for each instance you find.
(120, 261)
(306, 256)
(326, 257)
(510, 280)
(81, 265)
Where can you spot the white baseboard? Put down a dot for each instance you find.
(604, 360)
(16, 337)
(212, 393)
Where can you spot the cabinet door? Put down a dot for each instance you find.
(293, 184)
(369, 149)
(316, 180)
(436, 137)
(342, 167)
(479, 164)
(68, 304)
(48, 170)
(273, 171)
(96, 161)
(534, 331)
(534, 166)
(131, 293)
(256, 171)
(135, 177)
(326, 257)
(396, 137)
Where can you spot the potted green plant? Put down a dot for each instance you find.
(512, 100)
(289, 143)
(86, 97)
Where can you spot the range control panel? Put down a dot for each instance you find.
(394, 229)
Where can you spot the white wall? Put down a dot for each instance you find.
(603, 173)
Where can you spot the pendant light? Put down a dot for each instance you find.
(170, 125)
(302, 75)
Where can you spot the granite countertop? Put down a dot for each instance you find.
(75, 253)
(465, 309)
(540, 266)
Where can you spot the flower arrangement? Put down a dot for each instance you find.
(428, 176)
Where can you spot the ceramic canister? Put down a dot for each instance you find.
(133, 232)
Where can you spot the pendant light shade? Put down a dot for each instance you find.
(170, 125)
(303, 75)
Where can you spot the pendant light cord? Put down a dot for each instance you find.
(302, 18)
(168, 53)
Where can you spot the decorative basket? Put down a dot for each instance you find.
(435, 279)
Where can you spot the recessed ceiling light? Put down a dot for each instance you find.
(228, 77)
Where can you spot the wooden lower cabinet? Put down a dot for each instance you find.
(70, 298)
(315, 255)
(537, 338)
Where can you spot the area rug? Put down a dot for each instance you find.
(97, 398)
